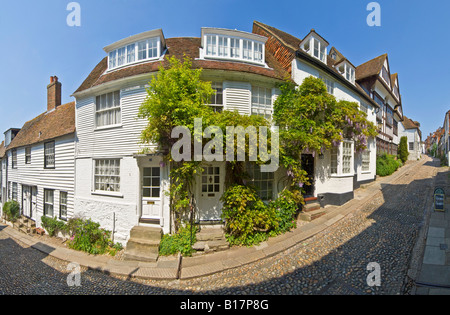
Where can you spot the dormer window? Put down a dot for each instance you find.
(315, 45)
(347, 70)
(232, 45)
(147, 46)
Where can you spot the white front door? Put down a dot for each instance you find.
(151, 195)
(26, 201)
(209, 192)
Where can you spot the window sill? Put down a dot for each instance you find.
(366, 172)
(342, 175)
(108, 127)
(107, 193)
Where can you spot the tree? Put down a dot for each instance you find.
(312, 120)
(175, 97)
(403, 149)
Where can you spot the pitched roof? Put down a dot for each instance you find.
(370, 68)
(180, 47)
(2, 149)
(410, 124)
(293, 45)
(47, 126)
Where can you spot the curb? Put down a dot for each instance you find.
(200, 266)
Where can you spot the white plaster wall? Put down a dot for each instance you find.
(101, 207)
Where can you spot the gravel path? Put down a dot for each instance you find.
(334, 261)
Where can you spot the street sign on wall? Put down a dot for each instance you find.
(439, 197)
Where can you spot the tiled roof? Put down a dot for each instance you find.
(46, 126)
(2, 149)
(179, 47)
(292, 44)
(370, 68)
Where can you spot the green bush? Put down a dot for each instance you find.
(52, 225)
(89, 237)
(387, 165)
(285, 207)
(11, 210)
(247, 218)
(179, 242)
(403, 149)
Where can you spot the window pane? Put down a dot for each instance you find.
(112, 59)
(121, 56)
(131, 53)
(142, 50)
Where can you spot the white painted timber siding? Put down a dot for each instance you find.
(60, 178)
(123, 140)
(325, 183)
(238, 96)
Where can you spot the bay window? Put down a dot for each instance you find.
(230, 47)
(148, 49)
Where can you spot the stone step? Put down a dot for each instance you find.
(135, 255)
(144, 232)
(311, 215)
(143, 244)
(311, 207)
(211, 245)
(210, 234)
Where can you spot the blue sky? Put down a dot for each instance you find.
(37, 43)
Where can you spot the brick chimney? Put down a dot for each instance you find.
(53, 93)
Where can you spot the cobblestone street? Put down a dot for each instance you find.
(334, 261)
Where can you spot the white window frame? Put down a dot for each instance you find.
(252, 52)
(337, 157)
(48, 203)
(63, 204)
(104, 111)
(215, 100)
(263, 181)
(15, 192)
(105, 179)
(260, 96)
(365, 161)
(131, 53)
(49, 155)
(153, 189)
(328, 82)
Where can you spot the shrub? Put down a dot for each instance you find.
(89, 237)
(247, 218)
(11, 210)
(52, 225)
(285, 208)
(386, 165)
(403, 149)
(179, 242)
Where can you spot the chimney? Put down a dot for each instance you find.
(53, 93)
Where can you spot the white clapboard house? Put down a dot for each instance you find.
(338, 172)
(116, 183)
(38, 166)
